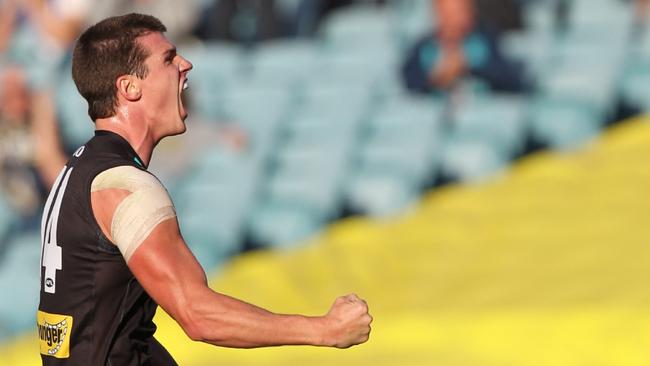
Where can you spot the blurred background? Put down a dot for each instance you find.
(476, 169)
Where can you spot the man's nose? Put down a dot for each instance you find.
(184, 64)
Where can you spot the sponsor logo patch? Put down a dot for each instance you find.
(54, 332)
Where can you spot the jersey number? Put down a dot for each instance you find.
(51, 256)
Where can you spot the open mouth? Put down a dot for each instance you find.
(182, 96)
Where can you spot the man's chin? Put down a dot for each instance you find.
(180, 130)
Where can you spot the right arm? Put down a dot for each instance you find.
(168, 271)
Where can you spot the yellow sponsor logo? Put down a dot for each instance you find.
(54, 332)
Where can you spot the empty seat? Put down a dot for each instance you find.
(213, 201)
(309, 178)
(7, 219)
(289, 60)
(563, 124)
(471, 160)
(283, 225)
(605, 14)
(379, 193)
(415, 19)
(496, 119)
(635, 88)
(19, 279)
(215, 66)
(76, 127)
(361, 22)
(591, 86)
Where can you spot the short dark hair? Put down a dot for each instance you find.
(106, 51)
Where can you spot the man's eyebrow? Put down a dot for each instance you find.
(170, 52)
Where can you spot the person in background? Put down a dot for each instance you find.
(38, 34)
(35, 39)
(243, 21)
(501, 15)
(179, 20)
(457, 49)
(30, 151)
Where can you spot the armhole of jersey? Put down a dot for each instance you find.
(105, 244)
(146, 206)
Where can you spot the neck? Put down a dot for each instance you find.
(137, 135)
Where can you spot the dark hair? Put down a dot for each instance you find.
(106, 51)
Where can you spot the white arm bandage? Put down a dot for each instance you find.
(147, 205)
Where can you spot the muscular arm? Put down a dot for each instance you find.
(171, 275)
(166, 268)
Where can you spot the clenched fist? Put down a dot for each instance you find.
(348, 322)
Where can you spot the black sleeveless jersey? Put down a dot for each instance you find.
(92, 309)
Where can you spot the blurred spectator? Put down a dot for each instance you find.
(641, 13)
(458, 48)
(179, 18)
(251, 21)
(500, 15)
(35, 38)
(308, 15)
(30, 151)
(38, 34)
(243, 21)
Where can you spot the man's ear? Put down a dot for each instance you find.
(128, 86)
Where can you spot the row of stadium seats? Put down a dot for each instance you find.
(332, 130)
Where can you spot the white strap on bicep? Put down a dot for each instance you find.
(147, 205)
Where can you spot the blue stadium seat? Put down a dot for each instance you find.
(19, 279)
(604, 14)
(285, 61)
(471, 160)
(414, 161)
(415, 18)
(563, 124)
(309, 178)
(215, 66)
(379, 193)
(76, 127)
(282, 225)
(213, 201)
(539, 17)
(534, 49)
(259, 110)
(335, 98)
(496, 119)
(360, 23)
(7, 219)
(592, 87)
(635, 88)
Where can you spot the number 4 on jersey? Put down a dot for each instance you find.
(51, 253)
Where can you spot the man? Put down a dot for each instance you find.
(31, 154)
(460, 47)
(112, 249)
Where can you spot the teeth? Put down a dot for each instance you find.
(185, 86)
